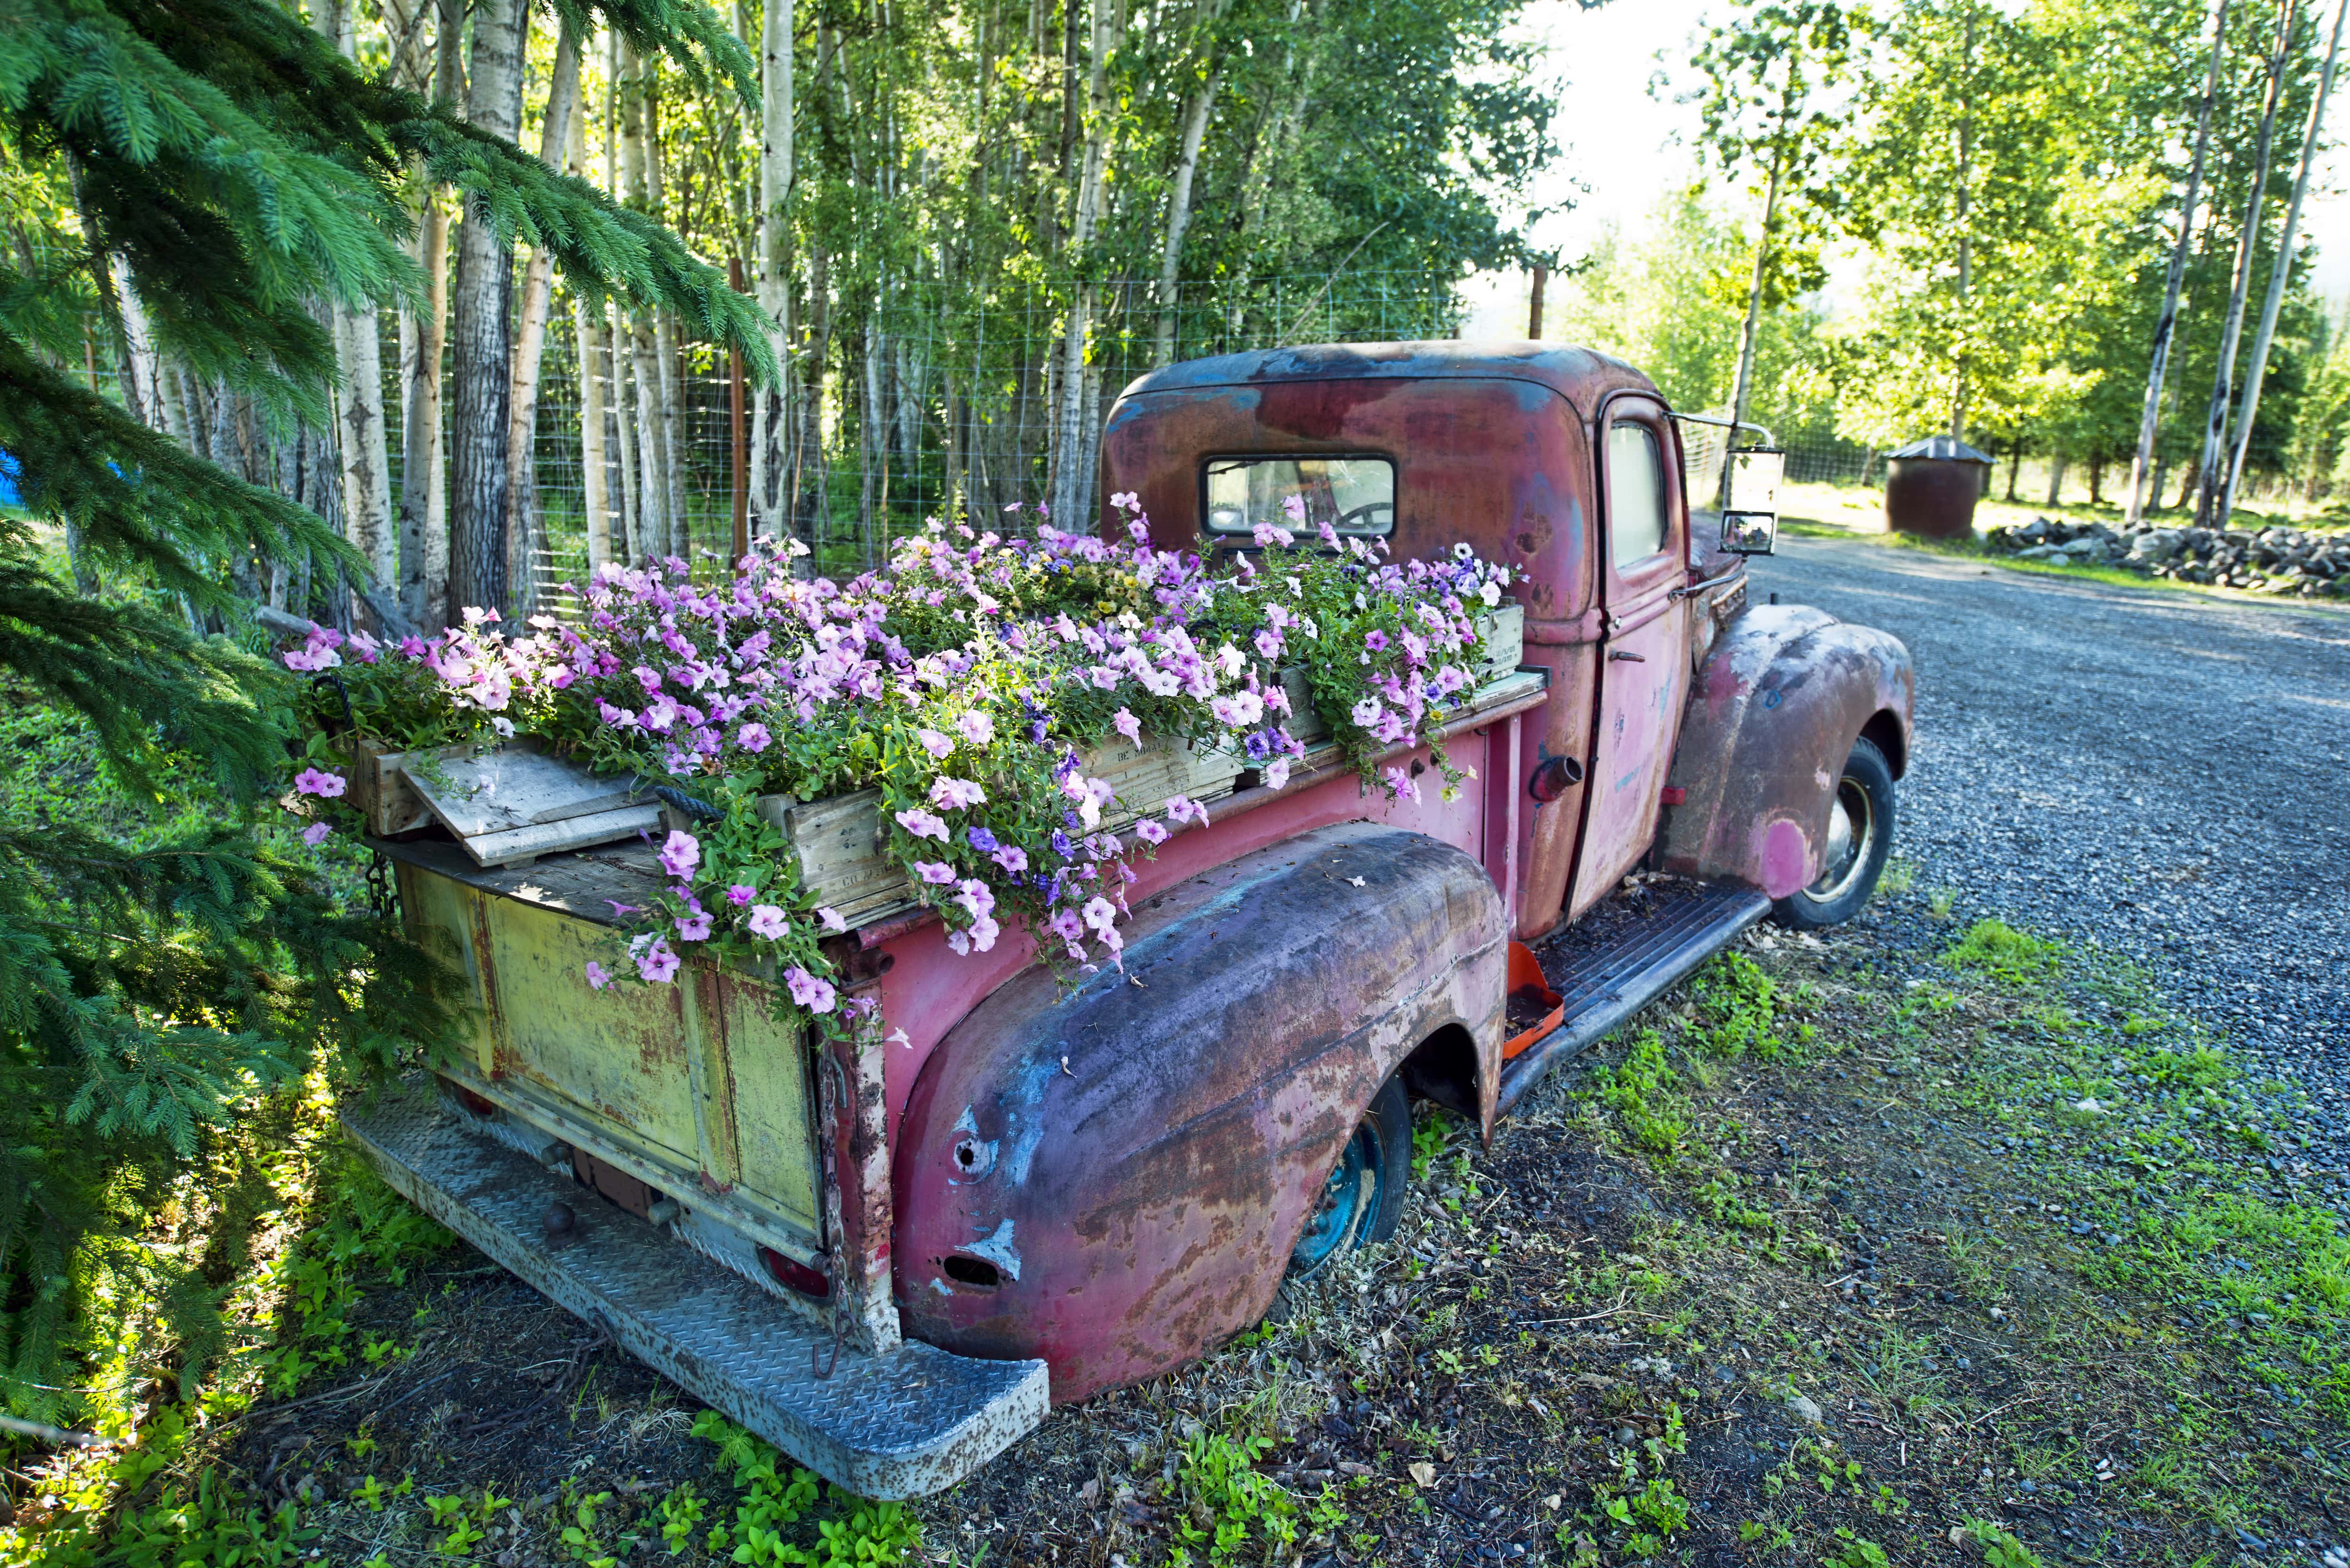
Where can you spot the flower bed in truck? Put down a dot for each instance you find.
(987, 728)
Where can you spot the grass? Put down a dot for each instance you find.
(1959, 1248)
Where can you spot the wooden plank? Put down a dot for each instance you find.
(520, 844)
(511, 788)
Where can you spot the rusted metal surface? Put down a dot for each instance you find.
(853, 1116)
(1777, 707)
(1643, 676)
(1130, 1164)
(900, 1424)
(1491, 445)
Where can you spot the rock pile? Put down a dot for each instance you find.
(2272, 560)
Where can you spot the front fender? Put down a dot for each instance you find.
(1780, 698)
(1133, 1161)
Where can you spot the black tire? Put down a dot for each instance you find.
(1363, 1195)
(1855, 857)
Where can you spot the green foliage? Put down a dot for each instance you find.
(1643, 1091)
(2003, 953)
(1738, 1008)
(774, 1503)
(1231, 1502)
(2000, 1549)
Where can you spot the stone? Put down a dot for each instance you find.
(1805, 1409)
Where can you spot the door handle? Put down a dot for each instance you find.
(1627, 656)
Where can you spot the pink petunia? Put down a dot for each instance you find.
(977, 726)
(829, 919)
(658, 965)
(693, 927)
(1276, 774)
(598, 975)
(327, 785)
(316, 834)
(922, 824)
(956, 795)
(1401, 785)
(741, 893)
(681, 855)
(1183, 809)
(1150, 831)
(937, 872)
(1099, 913)
(816, 995)
(1012, 858)
(766, 922)
(1127, 724)
(752, 737)
(937, 743)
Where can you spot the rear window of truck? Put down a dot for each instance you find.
(1355, 496)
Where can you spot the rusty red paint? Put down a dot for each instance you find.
(1779, 701)
(1138, 1205)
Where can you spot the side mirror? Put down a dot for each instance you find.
(1749, 533)
(1749, 511)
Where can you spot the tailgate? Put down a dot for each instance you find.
(692, 1086)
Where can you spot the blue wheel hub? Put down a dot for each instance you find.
(1348, 1199)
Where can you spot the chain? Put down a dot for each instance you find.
(383, 887)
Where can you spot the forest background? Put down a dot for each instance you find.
(965, 225)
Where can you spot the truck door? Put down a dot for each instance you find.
(1645, 657)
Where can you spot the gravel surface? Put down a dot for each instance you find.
(2164, 773)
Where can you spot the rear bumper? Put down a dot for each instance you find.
(898, 1425)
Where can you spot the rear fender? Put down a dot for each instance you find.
(1133, 1161)
(1778, 702)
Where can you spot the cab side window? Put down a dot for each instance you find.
(1636, 493)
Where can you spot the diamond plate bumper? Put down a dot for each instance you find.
(895, 1425)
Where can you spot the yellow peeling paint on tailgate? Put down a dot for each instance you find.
(767, 1069)
(619, 1054)
(437, 905)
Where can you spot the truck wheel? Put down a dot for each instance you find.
(1860, 836)
(1363, 1197)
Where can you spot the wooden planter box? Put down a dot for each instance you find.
(839, 839)
(379, 788)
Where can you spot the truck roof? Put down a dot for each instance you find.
(1582, 376)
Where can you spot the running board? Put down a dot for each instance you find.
(1622, 956)
(898, 1425)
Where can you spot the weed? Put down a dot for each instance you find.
(1230, 1501)
(2000, 1549)
(1641, 1089)
(2004, 953)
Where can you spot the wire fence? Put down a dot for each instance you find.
(927, 402)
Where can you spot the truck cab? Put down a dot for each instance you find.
(891, 1249)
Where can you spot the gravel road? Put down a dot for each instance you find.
(2164, 773)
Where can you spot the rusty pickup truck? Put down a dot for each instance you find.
(893, 1251)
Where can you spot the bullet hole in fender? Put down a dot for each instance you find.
(976, 1273)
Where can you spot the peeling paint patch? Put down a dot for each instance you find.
(997, 1249)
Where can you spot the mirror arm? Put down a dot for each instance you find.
(1692, 590)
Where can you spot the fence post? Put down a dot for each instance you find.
(734, 424)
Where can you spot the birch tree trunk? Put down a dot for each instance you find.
(2167, 324)
(652, 530)
(423, 547)
(668, 389)
(483, 370)
(2281, 269)
(1196, 108)
(1069, 447)
(359, 361)
(2215, 419)
(633, 547)
(588, 354)
(1749, 329)
(530, 342)
(772, 263)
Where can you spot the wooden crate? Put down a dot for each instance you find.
(380, 789)
(1146, 778)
